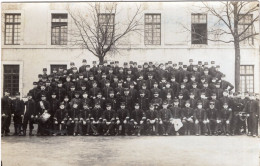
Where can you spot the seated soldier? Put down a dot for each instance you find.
(226, 116)
(96, 119)
(164, 119)
(123, 116)
(200, 118)
(60, 119)
(176, 116)
(84, 117)
(187, 119)
(109, 120)
(74, 120)
(152, 121)
(212, 113)
(137, 116)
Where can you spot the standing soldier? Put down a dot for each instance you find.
(54, 106)
(34, 91)
(29, 114)
(6, 113)
(252, 108)
(127, 100)
(107, 89)
(94, 67)
(94, 91)
(82, 68)
(60, 92)
(72, 65)
(17, 113)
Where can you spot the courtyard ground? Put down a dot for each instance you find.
(130, 150)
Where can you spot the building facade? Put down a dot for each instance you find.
(35, 36)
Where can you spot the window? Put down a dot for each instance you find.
(59, 27)
(107, 25)
(11, 78)
(57, 67)
(246, 78)
(152, 29)
(12, 29)
(244, 22)
(199, 29)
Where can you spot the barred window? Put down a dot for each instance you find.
(59, 29)
(11, 78)
(107, 25)
(246, 78)
(199, 29)
(152, 29)
(244, 22)
(12, 29)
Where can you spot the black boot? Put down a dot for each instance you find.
(24, 132)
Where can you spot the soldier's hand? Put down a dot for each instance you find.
(56, 122)
(196, 121)
(3, 115)
(36, 116)
(32, 116)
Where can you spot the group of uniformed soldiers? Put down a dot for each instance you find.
(148, 99)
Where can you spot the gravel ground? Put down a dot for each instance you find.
(130, 150)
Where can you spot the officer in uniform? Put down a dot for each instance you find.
(29, 114)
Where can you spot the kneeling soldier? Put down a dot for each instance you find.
(109, 120)
(200, 118)
(164, 119)
(187, 118)
(152, 120)
(60, 119)
(123, 117)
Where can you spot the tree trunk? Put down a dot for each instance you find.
(237, 65)
(101, 59)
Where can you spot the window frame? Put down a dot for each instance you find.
(59, 33)
(153, 23)
(12, 93)
(244, 24)
(13, 23)
(199, 23)
(108, 24)
(247, 75)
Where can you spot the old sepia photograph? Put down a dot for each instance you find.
(139, 83)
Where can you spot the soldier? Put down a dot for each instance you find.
(94, 91)
(141, 81)
(83, 90)
(48, 90)
(176, 116)
(71, 93)
(74, 75)
(76, 99)
(206, 89)
(123, 116)
(85, 99)
(107, 89)
(109, 120)
(190, 67)
(156, 101)
(114, 83)
(80, 82)
(187, 118)
(150, 81)
(164, 119)
(152, 116)
(252, 108)
(167, 90)
(195, 91)
(212, 69)
(72, 65)
(184, 91)
(196, 73)
(219, 91)
(208, 77)
(96, 119)
(112, 101)
(193, 100)
(6, 113)
(218, 73)
(60, 92)
(225, 98)
(169, 100)
(43, 107)
(133, 92)
(163, 82)
(29, 115)
(119, 90)
(143, 100)
(82, 68)
(74, 120)
(215, 101)
(127, 99)
(84, 117)
(34, 91)
(137, 117)
(181, 101)
(60, 119)
(156, 89)
(212, 114)
(200, 118)
(54, 106)
(87, 72)
(100, 99)
(225, 85)
(110, 75)
(94, 67)
(17, 113)
(226, 116)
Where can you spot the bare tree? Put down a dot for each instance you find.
(98, 31)
(227, 28)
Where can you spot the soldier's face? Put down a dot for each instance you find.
(109, 108)
(81, 77)
(59, 85)
(142, 95)
(151, 108)
(199, 106)
(137, 107)
(155, 85)
(172, 79)
(94, 85)
(187, 104)
(43, 98)
(99, 96)
(192, 96)
(182, 86)
(75, 105)
(91, 78)
(169, 96)
(217, 86)
(156, 95)
(112, 95)
(214, 80)
(115, 79)
(126, 92)
(192, 78)
(85, 95)
(61, 106)
(66, 99)
(53, 96)
(74, 71)
(83, 88)
(195, 68)
(85, 106)
(68, 79)
(225, 106)
(72, 89)
(225, 93)
(168, 85)
(77, 95)
(29, 97)
(214, 97)
(180, 96)
(203, 96)
(165, 106)
(122, 106)
(42, 87)
(205, 85)
(206, 72)
(87, 69)
(128, 79)
(185, 80)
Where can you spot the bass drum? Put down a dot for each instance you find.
(44, 117)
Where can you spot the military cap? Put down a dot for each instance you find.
(107, 81)
(187, 101)
(141, 92)
(54, 69)
(139, 66)
(94, 62)
(182, 83)
(43, 95)
(206, 69)
(214, 78)
(150, 63)
(112, 62)
(206, 63)
(74, 68)
(39, 75)
(125, 63)
(120, 81)
(48, 81)
(76, 92)
(145, 63)
(194, 83)
(202, 77)
(60, 67)
(185, 77)
(144, 84)
(135, 63)
(211, 102)
(83, 85)
(128, 76)
(173, 76)
(212, 62)
(91, 75)
(126, 89)
(62, 103)
(115, 76)
(213, 94)
(225, 103)
(202, 93)
(156, 92)
(217, 66)
(184, 66)
(175, 100)
(223, 75)
(17, 93)
(192, 76)
(199, 102)
(180, 63)
(175, 64)
(168, 83)
(84, 60)
(44, 69)
(200, 62)
(131, 62)
(169, 62)
(99, 93)
(190, 60)
(136, 104)
(111, 92)
(155, 83)
(122, 103)
(87, 65)
(164, 103)
(103, 73)
(105, 61)
(149, 74)
(72, 86)
(35, 83)
(180, 94)
(80, 74)
(217, 83)
(72, 63)
(116, 62)
(53, 93)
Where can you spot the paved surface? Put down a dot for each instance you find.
(131, 150)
